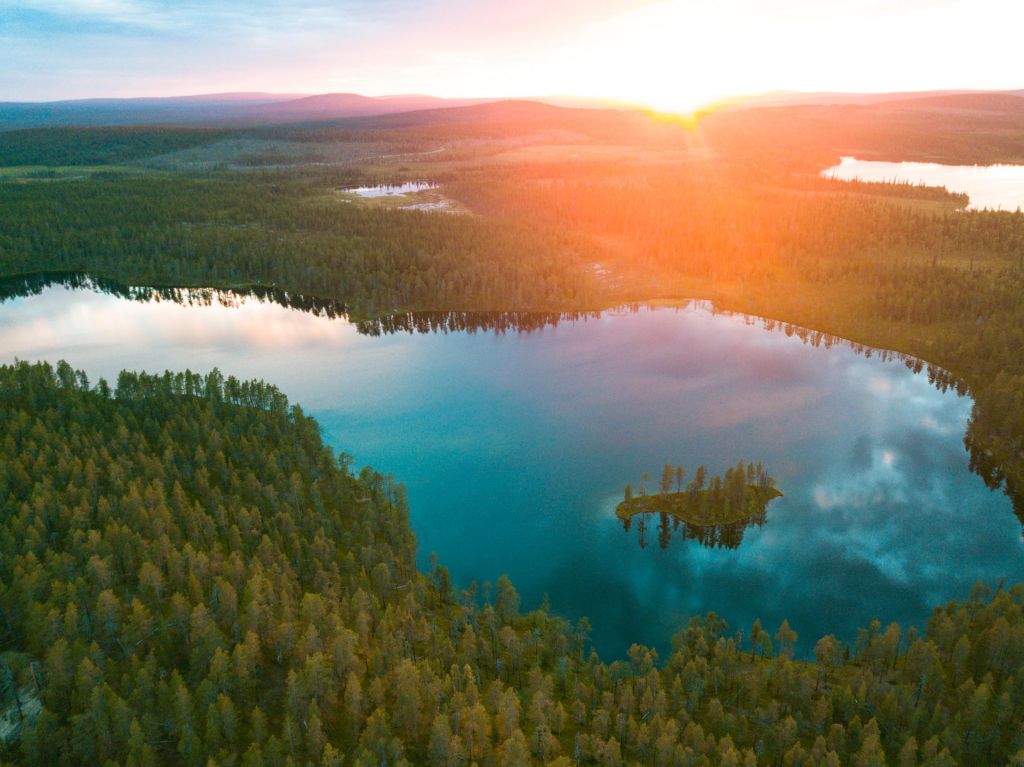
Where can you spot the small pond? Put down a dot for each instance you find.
(391, 190)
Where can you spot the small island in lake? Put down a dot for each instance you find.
(712, 510)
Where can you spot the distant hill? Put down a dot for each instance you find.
(341, 105)
(213, 109)
(170, 110)
(261, 108)
(519, 117)
(351, 110)
(501, 111)
(243, 109)
(1003, 102)
(234, 97)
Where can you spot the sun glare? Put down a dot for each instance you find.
(680, 56)
(667, 57)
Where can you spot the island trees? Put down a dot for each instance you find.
(714, 510)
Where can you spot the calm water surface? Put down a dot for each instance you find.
(515, 448)
(996, 187)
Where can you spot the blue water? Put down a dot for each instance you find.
(515, 448)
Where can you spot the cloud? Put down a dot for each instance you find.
(79, 13)
(229, 19)
(101, 8)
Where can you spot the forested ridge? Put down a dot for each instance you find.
(189, 576)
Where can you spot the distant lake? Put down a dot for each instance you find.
(515, 448)
(996, 187)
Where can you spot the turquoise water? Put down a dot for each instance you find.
(515, 448)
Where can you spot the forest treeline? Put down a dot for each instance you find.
(97, 146)
(188, 576)
(279, 230)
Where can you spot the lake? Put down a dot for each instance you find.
(515, 448)
(995, 187)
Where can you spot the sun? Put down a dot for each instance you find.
(664, 56)
(670, 99)
(672, 57)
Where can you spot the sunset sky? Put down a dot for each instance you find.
(671, 54)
